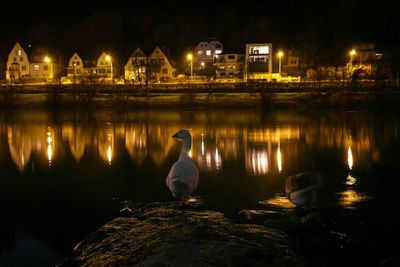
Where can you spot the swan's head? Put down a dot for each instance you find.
(182, 134)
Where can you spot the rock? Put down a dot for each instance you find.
(164, 234)
(259, 216)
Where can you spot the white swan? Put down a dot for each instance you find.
(301, 189)
(183, 177)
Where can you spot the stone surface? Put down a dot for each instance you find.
(172, 234)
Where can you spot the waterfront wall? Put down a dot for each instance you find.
(112, 96)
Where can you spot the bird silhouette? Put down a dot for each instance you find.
(301, 189)
(183, 177)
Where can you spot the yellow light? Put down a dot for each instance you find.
(109, 154)
(350, 158)
(47, 59)
(353, 52)
(279, 159)
(189, 56)
(280, 54)
(108, 58)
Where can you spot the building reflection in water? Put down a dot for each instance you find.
(50, 145)
(219, 143)
(279, 158)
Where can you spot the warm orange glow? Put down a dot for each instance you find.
(280, 54)
(47, 59)
(49, 147)
(353, 52)
(350, 158)
(108, 58)
(349, 198)
(279, 159)
(109, 154)
(189, 56)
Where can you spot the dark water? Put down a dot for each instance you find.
(63, 175)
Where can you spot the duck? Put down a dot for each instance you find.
(183, 177)
(301, 189)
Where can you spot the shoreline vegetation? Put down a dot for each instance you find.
(213, 95)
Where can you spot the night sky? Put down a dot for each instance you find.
(327, 28)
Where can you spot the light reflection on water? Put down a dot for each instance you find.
(243, 156)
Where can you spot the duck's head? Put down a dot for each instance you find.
(182, 134)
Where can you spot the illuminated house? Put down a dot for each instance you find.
(291, 63)
(366, 53)
(156, 67)
(17, 64)
(135, 68)
(45, 64)
(42, 64)
(258, 63)
(230, 66)
(99, 71)
(207, 52)
(163, 68)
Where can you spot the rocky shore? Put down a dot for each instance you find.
(171, 234)
(176, 234)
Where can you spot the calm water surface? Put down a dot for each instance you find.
(63, 175)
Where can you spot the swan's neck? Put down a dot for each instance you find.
(187, 145)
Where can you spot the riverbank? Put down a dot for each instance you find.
(270, 96)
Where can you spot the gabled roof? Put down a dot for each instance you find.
(138, 53)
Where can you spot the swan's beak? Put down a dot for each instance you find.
(175, 135)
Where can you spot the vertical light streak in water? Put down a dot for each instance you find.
(109, 154)
(202, 144)
(259, 161)
(190, 153)
(350, 158)
(49, 147)
(218, 161)
(350, 180)
(110, 148)
(279, 158)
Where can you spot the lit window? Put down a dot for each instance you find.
(208, 52)
(19, 52)
(36, 67)
(218, 51)
(200, 52)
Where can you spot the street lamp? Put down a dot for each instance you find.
(108, 58)
(352, 54)
(280, 55)
(48, 60)
(190, 57)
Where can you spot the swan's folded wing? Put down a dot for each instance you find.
(184, 171)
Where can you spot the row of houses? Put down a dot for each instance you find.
(46, 65)
(207, 59)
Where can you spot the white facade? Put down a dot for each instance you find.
(258, 62)
(135, 67)
(17, 63)
(207, 51)
(163, 69)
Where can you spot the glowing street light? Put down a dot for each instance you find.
(48, 60)
(280, 55)
(352, 54)
(109, 59)
(190, 57)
